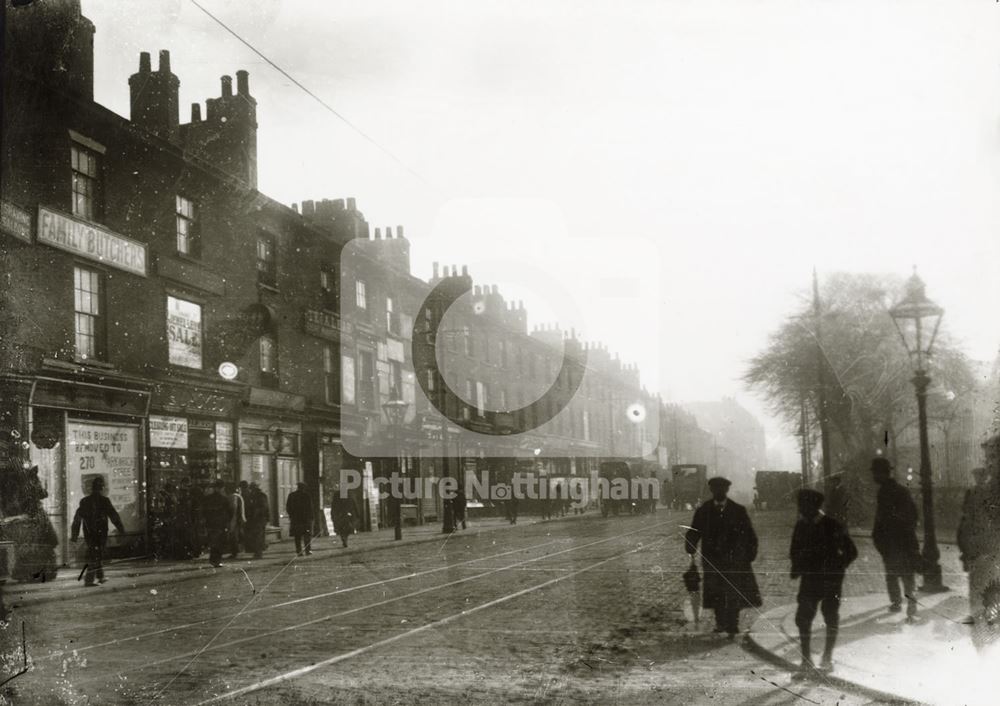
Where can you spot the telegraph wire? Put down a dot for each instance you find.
(319, 100)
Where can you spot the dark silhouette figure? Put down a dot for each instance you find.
(728, 547)
(300, 517)
(979, 542)
(344, 514)
(821, 551)
(512, 509)
(257, 510)
(459, 504)
(93, 514)
(895, 537)
(216, 513)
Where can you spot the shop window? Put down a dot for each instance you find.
(88, 305)
(187, 239)
(267, 264)
(86, 181)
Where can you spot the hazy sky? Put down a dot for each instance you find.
(747, 141)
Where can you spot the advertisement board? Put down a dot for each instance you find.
(184, 332)
(111, 452)
(168, 432)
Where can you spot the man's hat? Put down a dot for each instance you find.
(219, 483)
(719, 481)
(811, 497)
(880, 464)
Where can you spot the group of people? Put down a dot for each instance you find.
(821, 550)
(222, 518)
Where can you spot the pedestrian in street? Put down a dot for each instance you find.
(257, 510)
(512, 508)
(979, 543)
(300, 517)
(238, 521)
(459, 505)
(343, 514)
(821, 551)
(895, 537)
(216, 514)
(728, 548)
(93, 514)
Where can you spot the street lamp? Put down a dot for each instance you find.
(917, 319)
(395, 413)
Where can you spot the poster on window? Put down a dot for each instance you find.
(168, 432)
(110, 452)
(184, 333)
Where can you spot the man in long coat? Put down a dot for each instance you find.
(728, 547)
(895, 537)
(299, 507)
(93, 514)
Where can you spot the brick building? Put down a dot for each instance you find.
(163, 323)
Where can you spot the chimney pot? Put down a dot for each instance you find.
(378, 234)
(465, 270)
(227, 86)
(351, 204)
(434, 267)
(144, 66)
(243, 82)
(477, 290)
(399, 231)
(196, 112)
(454, 271)
(495, 289)
(388, 232)
(164, 61)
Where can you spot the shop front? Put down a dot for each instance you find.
(78, 432)
(270, 457)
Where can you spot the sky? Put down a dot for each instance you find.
(701, 157)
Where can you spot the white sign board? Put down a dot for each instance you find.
(91, 241)
(184, 332)
(223, 436)
(111, 452)
(168, 432)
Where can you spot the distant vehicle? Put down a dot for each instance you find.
(689, 485)
(776, 489)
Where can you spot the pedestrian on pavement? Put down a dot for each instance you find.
(459, 505)
(821, 551)
(728, 548)
(343, 514)
(216, 514)
(238, 521)
(895, 537)
(257, 510)
(512, 508)
(93, 514)
(979, 543)
(300, 516)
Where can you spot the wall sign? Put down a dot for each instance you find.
(91, 241)
(223, 436)
(15, 220)
(111, 452)
(184, 332)
(168, 432)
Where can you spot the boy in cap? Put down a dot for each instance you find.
(728, 547)
(821, 551)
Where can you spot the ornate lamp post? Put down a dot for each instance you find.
(395, 412)
(917, 319)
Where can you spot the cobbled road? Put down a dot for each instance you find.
(583, 609)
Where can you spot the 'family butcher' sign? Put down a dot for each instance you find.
(91, 241)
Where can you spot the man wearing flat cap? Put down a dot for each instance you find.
(821, 551)
(895, 537)
(728, 547)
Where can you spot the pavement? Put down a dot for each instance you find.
(929, 661)
(147, 572)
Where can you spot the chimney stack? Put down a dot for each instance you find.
(227, 86)
(164, 61)
(196, 112)
(153, 98)
(243, 82)
(144, 65)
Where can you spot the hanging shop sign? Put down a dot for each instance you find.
(91, 241)
(168, 432)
